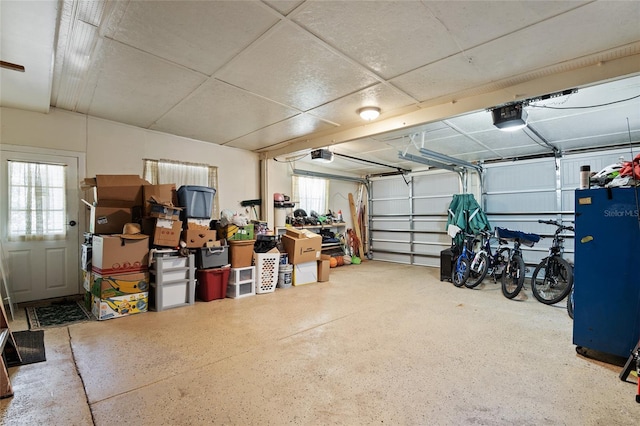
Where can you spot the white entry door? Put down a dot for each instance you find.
(39, 224)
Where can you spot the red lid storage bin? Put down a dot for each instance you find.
(212, 283)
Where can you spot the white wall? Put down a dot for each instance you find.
(114, 148)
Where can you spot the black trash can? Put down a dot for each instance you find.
(447, 258)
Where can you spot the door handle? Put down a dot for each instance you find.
(73, 223)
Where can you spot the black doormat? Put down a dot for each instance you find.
(55, 315)
(30, 346)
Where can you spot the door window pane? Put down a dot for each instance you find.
(37, 201)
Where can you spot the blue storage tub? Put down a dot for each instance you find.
(196, 201)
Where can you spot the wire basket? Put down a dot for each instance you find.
(266, 271)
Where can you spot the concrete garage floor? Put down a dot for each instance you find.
(381, 343)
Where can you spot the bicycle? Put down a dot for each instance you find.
(461, 270)
(487, 263)
(552, 279)
(513, 276)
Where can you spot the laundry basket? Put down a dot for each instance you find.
(266, 270)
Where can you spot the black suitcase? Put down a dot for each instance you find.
(447, 257)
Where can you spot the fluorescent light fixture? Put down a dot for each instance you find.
(369, 113)
(509, 117)
(322, 156)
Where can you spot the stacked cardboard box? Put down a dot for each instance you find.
(119, 279)
(303, 248)
(161, 216)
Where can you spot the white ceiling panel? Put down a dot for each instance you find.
(390, 38)
(444, 77)
(232, 113)
(203, 35)
(499, 18)
(380, 95)
(136, 88)
(291, 67)
(291, 128)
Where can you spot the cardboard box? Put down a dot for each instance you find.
(115, 200)
(121, 306)
(164, 195)
(116, 255)
(324, 267)
(109, 286)
(198, 224)
(116, 190)
(195, 238)
(85, 257)
(306, 246)
(305, 273)
(162, 211)
(162, 232)
(108, 220)
(87, 280)
(233, 232)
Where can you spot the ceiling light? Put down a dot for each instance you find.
(509, 117)
(322, 156)
(369, 113)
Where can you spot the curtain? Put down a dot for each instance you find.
(37, 201)
(311, 194)
(182, 173)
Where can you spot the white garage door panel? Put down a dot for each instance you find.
(391, 224)
(434, 225)
(403, 237)
(394, 206)
(443, 184)
(523, 202)
(431, 205)
(520, 176)
(393, 257)
(389, 187)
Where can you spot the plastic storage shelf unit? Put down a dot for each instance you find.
(174, 282)
(197, 201)
(242, 282)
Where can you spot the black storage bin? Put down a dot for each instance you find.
(212, 257)
(447, 257)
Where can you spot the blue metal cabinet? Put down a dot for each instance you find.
(607, 270)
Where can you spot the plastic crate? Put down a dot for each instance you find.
(266, 271)
(212, 257)
(212, 283)
(197, 201)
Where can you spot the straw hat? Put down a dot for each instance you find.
(132, 231)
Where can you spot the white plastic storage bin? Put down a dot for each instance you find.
(174, 282)
(266, 271)
(242, 282)
(197, 201)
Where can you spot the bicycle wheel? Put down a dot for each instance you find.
(513, 277)
(477, 270)
(552, 280)
(570, 304)
(460, 272)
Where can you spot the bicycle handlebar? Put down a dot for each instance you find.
(556, 223)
